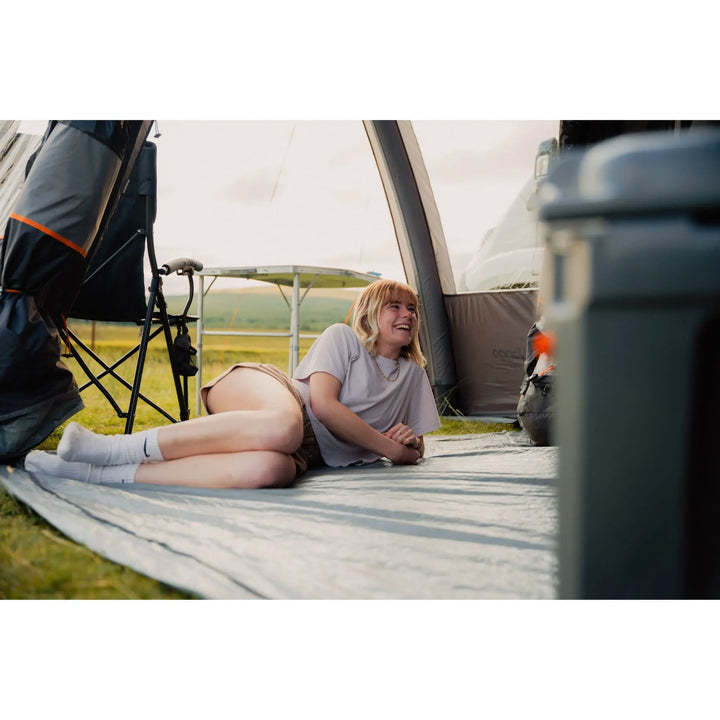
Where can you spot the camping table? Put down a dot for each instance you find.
(293, 276)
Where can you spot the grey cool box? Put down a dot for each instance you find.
(632, 290)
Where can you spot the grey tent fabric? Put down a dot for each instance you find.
(476, 518)
(474, 345)
(489, 335)
(16, 149)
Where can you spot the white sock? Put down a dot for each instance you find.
(49, 464)
(113, 474)
(83, 445)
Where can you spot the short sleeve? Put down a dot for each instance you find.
(333, 352)
(422, 414)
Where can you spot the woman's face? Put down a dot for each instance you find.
(397, 325)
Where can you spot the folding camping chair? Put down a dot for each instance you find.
(113, 290)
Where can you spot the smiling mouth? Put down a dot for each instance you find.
(403, 327)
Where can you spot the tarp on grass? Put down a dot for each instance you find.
(477, 518)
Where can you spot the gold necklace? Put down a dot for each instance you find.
(395, 372)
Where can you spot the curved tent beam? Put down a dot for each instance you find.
(421, 242)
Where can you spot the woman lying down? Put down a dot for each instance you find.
(360, 394)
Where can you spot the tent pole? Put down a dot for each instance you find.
(422, 246)
(294, 325)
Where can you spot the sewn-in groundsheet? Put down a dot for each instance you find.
(477, 518)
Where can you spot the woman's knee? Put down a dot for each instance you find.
(275, 470)
(274, 430)
(285, 432)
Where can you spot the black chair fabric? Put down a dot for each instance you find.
(113, 288)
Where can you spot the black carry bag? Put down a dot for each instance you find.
(535, 407)
(56, 223)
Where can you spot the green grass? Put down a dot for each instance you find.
(37, 561)
(461, 426)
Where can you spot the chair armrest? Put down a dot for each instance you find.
(183, 266)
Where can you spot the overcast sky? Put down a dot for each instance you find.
(308, 192)
(247, 193)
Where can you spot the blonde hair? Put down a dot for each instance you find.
(367, 309)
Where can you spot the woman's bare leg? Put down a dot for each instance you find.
(250, 469)
(251, 411)
(254, 412)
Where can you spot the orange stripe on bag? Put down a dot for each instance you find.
(49, 232)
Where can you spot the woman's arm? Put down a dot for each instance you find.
(345, 424)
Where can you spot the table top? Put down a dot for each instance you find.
(319, 277)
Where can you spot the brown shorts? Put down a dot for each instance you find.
(308, 454)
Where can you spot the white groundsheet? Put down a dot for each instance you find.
(477, 518)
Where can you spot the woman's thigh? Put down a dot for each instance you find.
(247, 388)
(249, 410)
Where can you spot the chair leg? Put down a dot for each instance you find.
(165, 322)
(142, 352)
(109, 370)
(156, 299)
(93, 379)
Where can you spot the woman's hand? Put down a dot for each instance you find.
(404, 435)
(403, 455)
(411, 448)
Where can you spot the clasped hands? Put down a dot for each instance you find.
(410, 453)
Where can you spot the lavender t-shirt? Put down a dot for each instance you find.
(381, 404)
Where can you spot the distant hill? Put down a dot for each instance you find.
(265, 308)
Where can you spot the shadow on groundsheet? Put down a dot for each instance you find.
(477, 518)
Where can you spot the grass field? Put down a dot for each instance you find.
(265, 307)
(37, 561)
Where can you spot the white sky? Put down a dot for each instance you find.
(308, 192)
